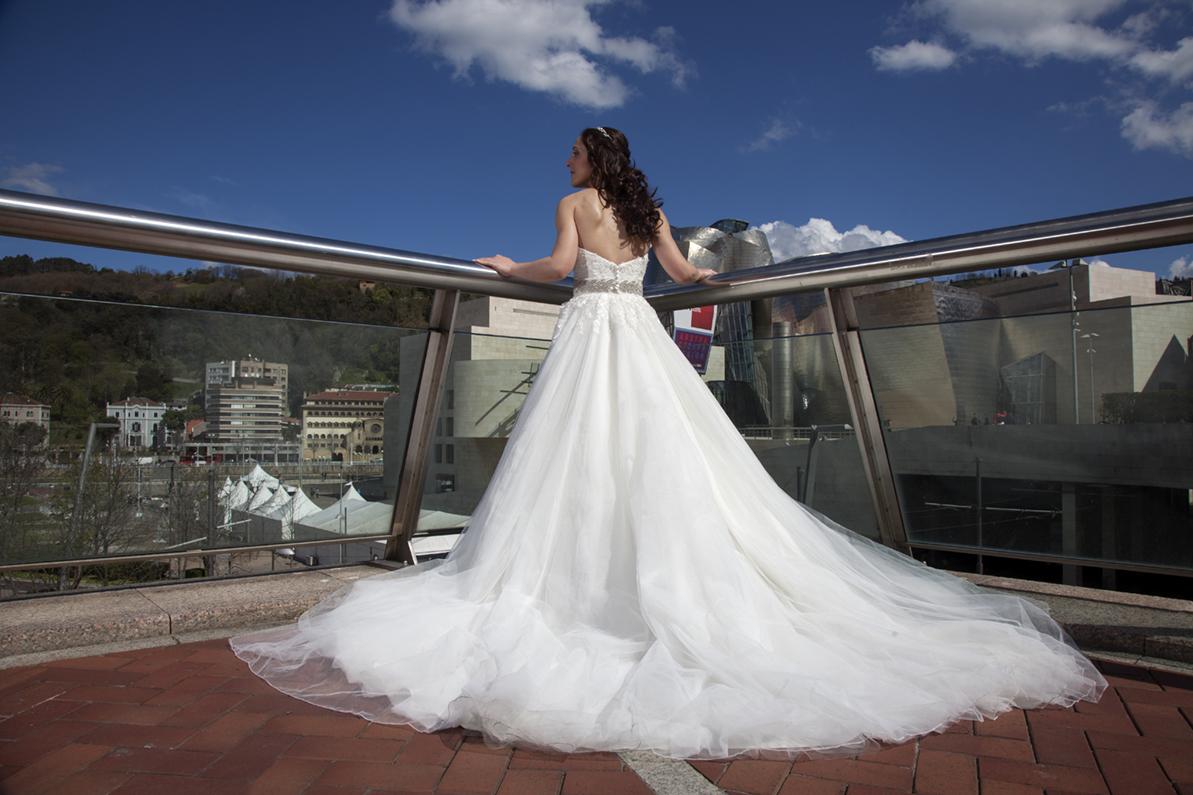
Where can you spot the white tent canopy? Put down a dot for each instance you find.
(280, 521)
(279, 498)
(262, 496)
(258, 477)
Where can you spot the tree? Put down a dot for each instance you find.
(187, 510)
(174, 421)
(21, 463)
(107, 517)
(154, 382)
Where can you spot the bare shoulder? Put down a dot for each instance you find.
(585, 199)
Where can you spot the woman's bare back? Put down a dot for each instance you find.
(599, 230)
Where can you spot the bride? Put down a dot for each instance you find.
(633, 579)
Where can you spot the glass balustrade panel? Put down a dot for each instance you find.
(490, 377)
(232, 430)
(1066, 434)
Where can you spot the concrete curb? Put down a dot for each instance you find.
(1133, 624)
(77, 623)
(82, 620)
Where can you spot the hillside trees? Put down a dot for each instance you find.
(139, 339)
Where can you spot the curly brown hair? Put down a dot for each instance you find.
(620, 184)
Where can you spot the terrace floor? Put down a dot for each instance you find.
(180, 718)
(191, 718)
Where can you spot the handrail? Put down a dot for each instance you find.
(1129, 229)
(64, 221)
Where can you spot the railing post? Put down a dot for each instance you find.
(413, 476)
(847, 346)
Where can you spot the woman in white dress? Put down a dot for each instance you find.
(633, 579)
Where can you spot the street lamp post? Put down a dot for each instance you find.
(1089, 348)
(1073, 324)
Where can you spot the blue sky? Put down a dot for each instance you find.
(442, 126)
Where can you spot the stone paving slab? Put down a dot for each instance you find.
(191, 718)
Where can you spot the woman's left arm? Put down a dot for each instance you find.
(674, 262)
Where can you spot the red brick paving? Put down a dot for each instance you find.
(192, 719)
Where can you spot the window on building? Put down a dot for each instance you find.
(438, 454)
(451, 454)
(451, 398)
(451, 426)
(445, 484)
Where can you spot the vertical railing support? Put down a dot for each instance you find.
(847, 346)
(413, 476)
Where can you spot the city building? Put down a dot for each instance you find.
(1093, 285)
(139, 419)
(226, 371)
(245, 401)
(345, 425)
(18, 409)
(245, 410)
(246, 415)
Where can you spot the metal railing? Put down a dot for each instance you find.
(59, 220)
(64, 221)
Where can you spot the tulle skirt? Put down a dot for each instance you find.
(633, 579)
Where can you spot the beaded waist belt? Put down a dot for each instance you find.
(608, 286)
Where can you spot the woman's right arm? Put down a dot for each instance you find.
(563, 255)
(675, 263)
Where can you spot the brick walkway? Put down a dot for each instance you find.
(192, 719)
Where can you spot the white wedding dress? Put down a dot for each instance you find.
(633, 579)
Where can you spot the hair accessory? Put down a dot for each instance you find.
(605, 133)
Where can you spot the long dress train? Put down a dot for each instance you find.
(633, 579)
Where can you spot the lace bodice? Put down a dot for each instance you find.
(595, 274)
(606, 292)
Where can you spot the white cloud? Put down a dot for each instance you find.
(33, 177)
(1176, 65)
(1034, 29)
(1181, 269)
(819, 236)
(1148, 127)
(777, 131)
(912, 56)
(1037, 30)
(553, 46)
